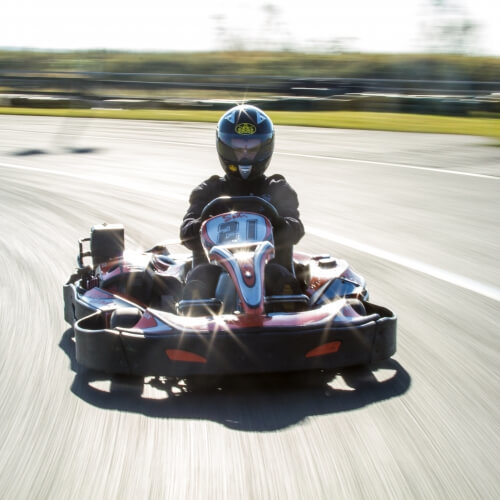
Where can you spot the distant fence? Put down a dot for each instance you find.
(85, 89)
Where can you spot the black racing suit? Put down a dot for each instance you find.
(274, 189)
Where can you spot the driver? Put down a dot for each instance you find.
(245, 144)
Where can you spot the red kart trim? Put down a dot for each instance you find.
(147, 321)
(180, 355)
(324, 349)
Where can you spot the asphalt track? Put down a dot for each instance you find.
(418, 215)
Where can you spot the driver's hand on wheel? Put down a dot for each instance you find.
(196, 225)
(279, 222)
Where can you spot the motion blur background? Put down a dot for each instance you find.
(386, 56)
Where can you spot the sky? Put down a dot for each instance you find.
(188, 25)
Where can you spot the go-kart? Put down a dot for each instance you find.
(129, 315)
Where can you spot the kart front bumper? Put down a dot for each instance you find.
(180, 353)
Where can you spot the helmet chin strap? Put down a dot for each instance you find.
(245, 171)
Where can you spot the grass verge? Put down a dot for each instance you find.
(397, 122)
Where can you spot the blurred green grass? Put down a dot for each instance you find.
(398, 122)
(262, 63)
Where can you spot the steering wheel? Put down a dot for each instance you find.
(224, 204)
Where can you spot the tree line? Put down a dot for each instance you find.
(251, 63)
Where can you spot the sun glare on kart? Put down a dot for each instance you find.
(130, 315)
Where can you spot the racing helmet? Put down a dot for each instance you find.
(245, 142)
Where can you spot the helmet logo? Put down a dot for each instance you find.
(230, 116)
(233, 168)
(245, 129)
(245, 170)
(261, 117)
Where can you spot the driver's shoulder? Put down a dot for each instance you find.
(214, 179)
(206, 190)
(276, 178)
(278, 182)
(211, 183)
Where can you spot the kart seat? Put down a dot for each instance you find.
(166, 291)
(134, 284)
(288, 303)
(199, 307)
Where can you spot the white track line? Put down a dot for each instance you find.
(435, 272)
(395, 165)
(96, 179)
(297, 155)
(455, 279)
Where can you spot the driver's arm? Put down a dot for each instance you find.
(289, 229)
(190, 227)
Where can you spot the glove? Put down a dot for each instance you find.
(279, 223)
(195, 226)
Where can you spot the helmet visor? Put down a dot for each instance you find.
(246, 150)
